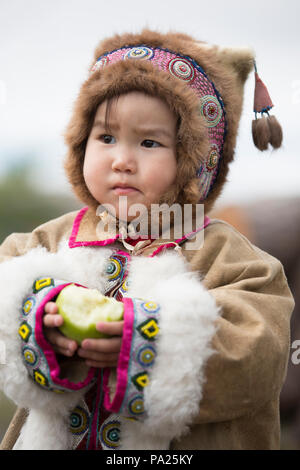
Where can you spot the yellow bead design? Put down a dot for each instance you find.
(30, 356)
(24, 331)
(136, 405)
(150, 307)
(149, 329)
(141, 380)
(79, 420)
(40, 378)
(27, 306)
(42, 283)
(110, 434)
(113, 269)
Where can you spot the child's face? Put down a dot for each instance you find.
(136, 157)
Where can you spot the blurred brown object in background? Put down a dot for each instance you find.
(274, 226)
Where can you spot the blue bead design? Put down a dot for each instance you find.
(136, 405)
(30, 356)
(150, 307)
(110, 434)
(28, 305)
(79, 421)
(145, 356)
(143, 52)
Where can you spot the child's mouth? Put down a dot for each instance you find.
(120, 190)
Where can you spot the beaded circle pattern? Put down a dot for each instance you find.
(211, 105)
(116, 272)
(210, 110)
(109, 434)
(100, 64)
(181, 68)
(213, 158)
(79, 421)
(139, 53)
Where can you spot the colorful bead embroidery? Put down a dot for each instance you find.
(40, 378)
(211, 110)
(136, 405)
(125, 286)
(116, 272)
(213, 158)
(140, 380)
(148, 329)
(79, 421)
(40, 284)
(110, 434)
(182, 68)
(31, 356)
(25, 331)
(150, 307)
(100, 64)
(145, 355)
(28, 305)
(143, 52)
(113, 269)
(142, 354)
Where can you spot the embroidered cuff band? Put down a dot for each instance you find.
(137, 356)
(38, 354)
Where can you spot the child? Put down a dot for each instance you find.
(200, 358)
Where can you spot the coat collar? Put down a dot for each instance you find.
(88, 231)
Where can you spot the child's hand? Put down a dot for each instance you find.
(52, 321)
(103, 352)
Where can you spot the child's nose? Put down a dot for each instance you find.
(124, 160)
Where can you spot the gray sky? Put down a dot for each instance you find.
(46, 48)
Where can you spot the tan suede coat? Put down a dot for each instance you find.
(243, 380)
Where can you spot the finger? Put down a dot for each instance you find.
(52, 320)
(60, 341)
(62, 351)
(112, 328)
(106, 345)
(105, 357)
(51, 308)
(100, 365)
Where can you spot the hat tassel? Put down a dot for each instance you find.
(265, 130)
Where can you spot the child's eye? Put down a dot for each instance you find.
(150, 143)
(107, 139)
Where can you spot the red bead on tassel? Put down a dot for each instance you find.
(266, 129)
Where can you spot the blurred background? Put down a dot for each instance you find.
(46, 49)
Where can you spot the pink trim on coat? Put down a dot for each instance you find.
(73, 243)
(72, 240)
(48, 349)
(179, 240)
(115, 404)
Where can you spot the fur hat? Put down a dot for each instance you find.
(203, 86)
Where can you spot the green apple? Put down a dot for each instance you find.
(83, 308)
